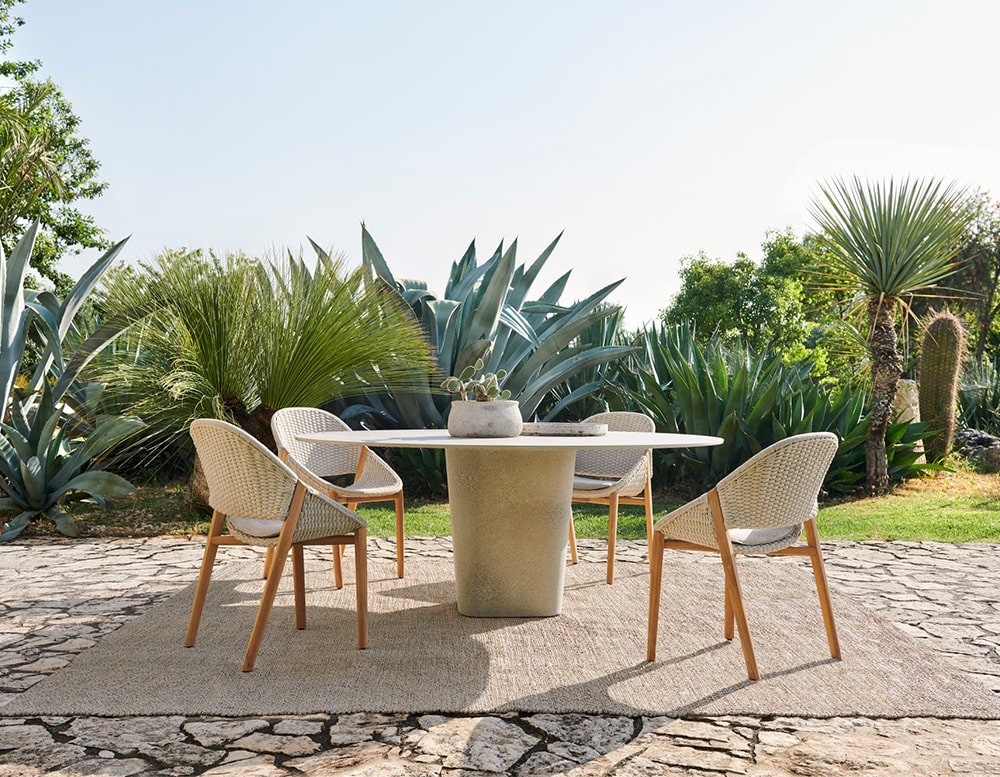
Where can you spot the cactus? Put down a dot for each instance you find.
(940, 363)
(485, 388)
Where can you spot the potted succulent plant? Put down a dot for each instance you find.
(489, 413)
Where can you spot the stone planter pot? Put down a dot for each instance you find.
(498, 418)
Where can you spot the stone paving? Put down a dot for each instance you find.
(57, 598)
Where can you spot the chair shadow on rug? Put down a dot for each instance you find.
(601, 689)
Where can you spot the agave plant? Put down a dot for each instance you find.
(751, 400)
(485, 313)
(586, 392)
(47, 440)
(979, 396)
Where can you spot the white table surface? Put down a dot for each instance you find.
(439, 438)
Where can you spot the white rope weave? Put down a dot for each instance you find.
(775, 488)
(314, 462)
(626, 468)
(246, 480)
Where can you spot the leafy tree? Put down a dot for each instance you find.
(888, 241)
(738, 300)
(978, 276)
(831, 343)
(45, 167)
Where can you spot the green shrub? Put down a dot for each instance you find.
(237, 338)
(979, 397)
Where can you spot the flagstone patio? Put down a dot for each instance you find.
(57, 598)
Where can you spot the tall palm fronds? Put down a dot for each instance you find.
(888, 241)
(237, 339)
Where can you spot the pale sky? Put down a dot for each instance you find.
(647, 131)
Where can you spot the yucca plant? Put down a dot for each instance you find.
(47, 437)
(888, 241)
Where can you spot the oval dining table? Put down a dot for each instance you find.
(510, 500)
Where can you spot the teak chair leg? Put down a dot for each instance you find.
(822, 587)
(207, 562)
(399, 534)
(271, 587)
(648, 503)
(730, 615)
(572, 540)
(268, 561)
(299, 581)
(338, 570)
(264, 610)
(734, 594)
(361, 583)
(612, 534)
(655, 584)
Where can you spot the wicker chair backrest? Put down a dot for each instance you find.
(244, 478)
(322, 460)
(778, 486)
(613, 463)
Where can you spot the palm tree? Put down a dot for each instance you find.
(889, 241)
(236, 338)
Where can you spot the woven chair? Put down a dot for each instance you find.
(373, 479)
(263, 503)
(612, 477)
(760, 507)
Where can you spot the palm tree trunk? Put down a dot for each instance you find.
(887, 367)
(196, 493)
(256, 423)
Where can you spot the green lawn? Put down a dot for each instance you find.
(954, 507)
(431, 519)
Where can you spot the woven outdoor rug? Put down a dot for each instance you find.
(425, 657)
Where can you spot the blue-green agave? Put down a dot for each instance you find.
(47, 440)
(485, 313)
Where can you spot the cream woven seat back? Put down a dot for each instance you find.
(264, 503)
(760, 507)
(614, 476)
(373, 480)
(774, 490)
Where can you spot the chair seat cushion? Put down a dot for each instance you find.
(346, 492)
(753, 537)
(256, 527)
(591, 484)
